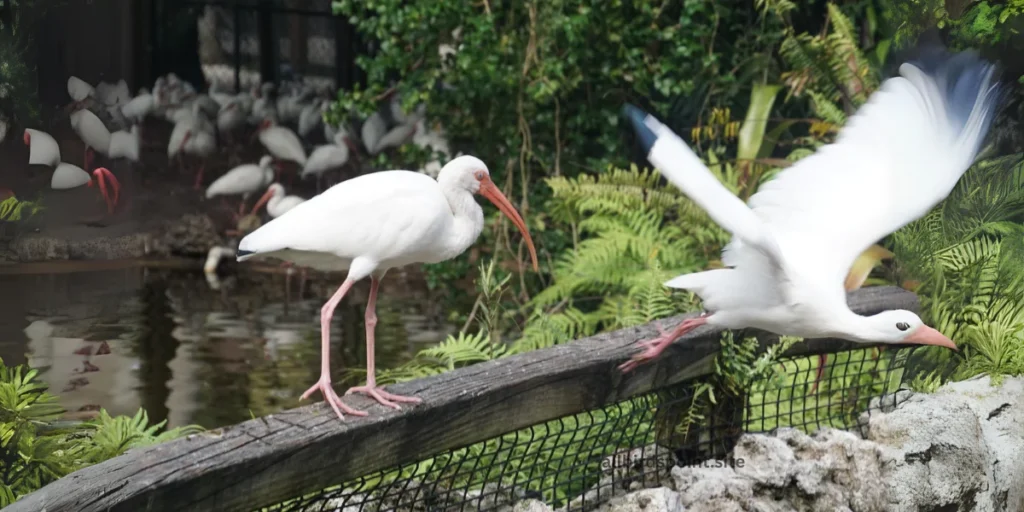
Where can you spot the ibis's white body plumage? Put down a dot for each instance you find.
(138, 108)
(243, 180)
(381, 220)
(373, 130)
(279, 203)
(283, 144)
(231, 116)
(125, 144)
(326, 157)
(91, 130)
(792, 247)
(42, 148)
(79, 89)
(67, 176)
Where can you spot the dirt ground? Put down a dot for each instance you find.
(155, 193)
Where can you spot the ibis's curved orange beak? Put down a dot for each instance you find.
(925, 335)
(263, 200)
(101, 175)
(494, 195)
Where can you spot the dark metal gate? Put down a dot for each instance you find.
(241, 43)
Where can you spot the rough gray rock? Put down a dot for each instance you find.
(647, 500)
(834, 470)
(191, 235)
(959, 449)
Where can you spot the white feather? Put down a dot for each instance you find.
(67, 176)
(42, 149)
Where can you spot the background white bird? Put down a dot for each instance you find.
(42, 148)
(794, 245)
(277, 202)
(243, 180)
(373, 223)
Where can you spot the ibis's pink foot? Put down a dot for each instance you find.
(324, 387)
(654, 347)
(383, 397)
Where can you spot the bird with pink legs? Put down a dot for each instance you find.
(373, 223)
(243, 180)
(797, 239)
(43, 150)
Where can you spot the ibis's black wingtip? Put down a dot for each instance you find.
(637, 118)
(242, 253)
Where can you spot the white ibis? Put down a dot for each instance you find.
(67, 176)
(794, 245)
(243, 180)
(125, 144)
(312, 116)
(277, 202)
(373, 223)
(373, 130)
(201, 144)
(80, 91)
(92, 131)
(281, 143)
(136, 110)
(327, 157)
(42, 148)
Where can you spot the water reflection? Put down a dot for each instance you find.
(165, 341)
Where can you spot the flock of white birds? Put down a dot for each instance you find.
(288, 121)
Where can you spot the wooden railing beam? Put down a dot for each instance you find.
(269, 460)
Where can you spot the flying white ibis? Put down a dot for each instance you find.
(243, 180)
(373, 223)
(794, 244)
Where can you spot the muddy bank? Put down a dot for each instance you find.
(191, 235)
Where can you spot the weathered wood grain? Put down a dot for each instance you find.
(268, 460)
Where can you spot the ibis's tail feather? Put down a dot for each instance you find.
(680, 166)
(242, 254)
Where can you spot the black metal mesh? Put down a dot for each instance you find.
(578, 462)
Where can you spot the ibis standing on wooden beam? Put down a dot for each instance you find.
(793, 246)
(375, 222)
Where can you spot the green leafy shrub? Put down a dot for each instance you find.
(37, 447)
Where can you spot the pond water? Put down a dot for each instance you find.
(191, 352)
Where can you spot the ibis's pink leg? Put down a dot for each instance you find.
(822, 361)
(371, 389)
(656, 346)
(199, 177)
(324, 384)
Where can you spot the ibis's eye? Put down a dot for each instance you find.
(902, 326)
(479, 175)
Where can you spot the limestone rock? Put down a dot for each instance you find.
(661, 499)
(959, 449)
